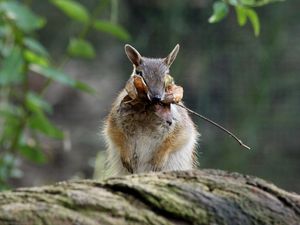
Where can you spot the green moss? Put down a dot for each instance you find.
(193, 197)
(168, 203)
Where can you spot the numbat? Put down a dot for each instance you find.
(145, 131)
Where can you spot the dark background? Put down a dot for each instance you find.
(250, 85)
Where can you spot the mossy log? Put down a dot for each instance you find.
(184, 197)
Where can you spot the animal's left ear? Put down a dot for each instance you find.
(172, 56)
(133, 55)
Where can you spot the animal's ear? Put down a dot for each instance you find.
(133, 55)
(172, 56)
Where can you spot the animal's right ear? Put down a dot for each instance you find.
(133, 55)
(171, 57)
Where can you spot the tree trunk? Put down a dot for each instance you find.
(184, 197)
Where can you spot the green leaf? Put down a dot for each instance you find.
(81, 48)
(233, 2)
(11, 70)
(10, 111)
(11, 115)
(73, 9)
(38, 121)
(4, 30)
(32, 153)
(61, 77)
(53, 74)
(111, 28)
(24, 18)
(254, 21)
(9, 167)
(248, 2)
(31, 57)
(35, 46)
(84, 87)
(220, 10)
(34, 102)
(241, 15)
(256, 3)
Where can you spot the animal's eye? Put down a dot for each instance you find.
(138, 72)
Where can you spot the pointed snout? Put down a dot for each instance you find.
(156, 92)
(156, 99)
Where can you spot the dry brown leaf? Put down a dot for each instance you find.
(136, 87)
(174, 94)
(130, 88)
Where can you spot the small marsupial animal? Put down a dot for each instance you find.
(145, 130)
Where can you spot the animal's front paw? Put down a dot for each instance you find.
(127, 164)
(156, 164)
(156, 168)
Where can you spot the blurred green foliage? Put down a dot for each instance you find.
(244, 11)
(23, 111)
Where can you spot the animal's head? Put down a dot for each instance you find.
(153, 71)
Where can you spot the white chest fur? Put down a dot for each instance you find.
(145, 143)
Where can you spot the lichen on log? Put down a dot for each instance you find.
(182, 197)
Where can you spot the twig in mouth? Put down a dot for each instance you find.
(214, 123)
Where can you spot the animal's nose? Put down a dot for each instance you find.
(156, 99)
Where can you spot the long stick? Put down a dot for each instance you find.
(214, 123)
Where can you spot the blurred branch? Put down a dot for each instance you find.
(215, 124)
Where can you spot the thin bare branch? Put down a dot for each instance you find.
(214, 123)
